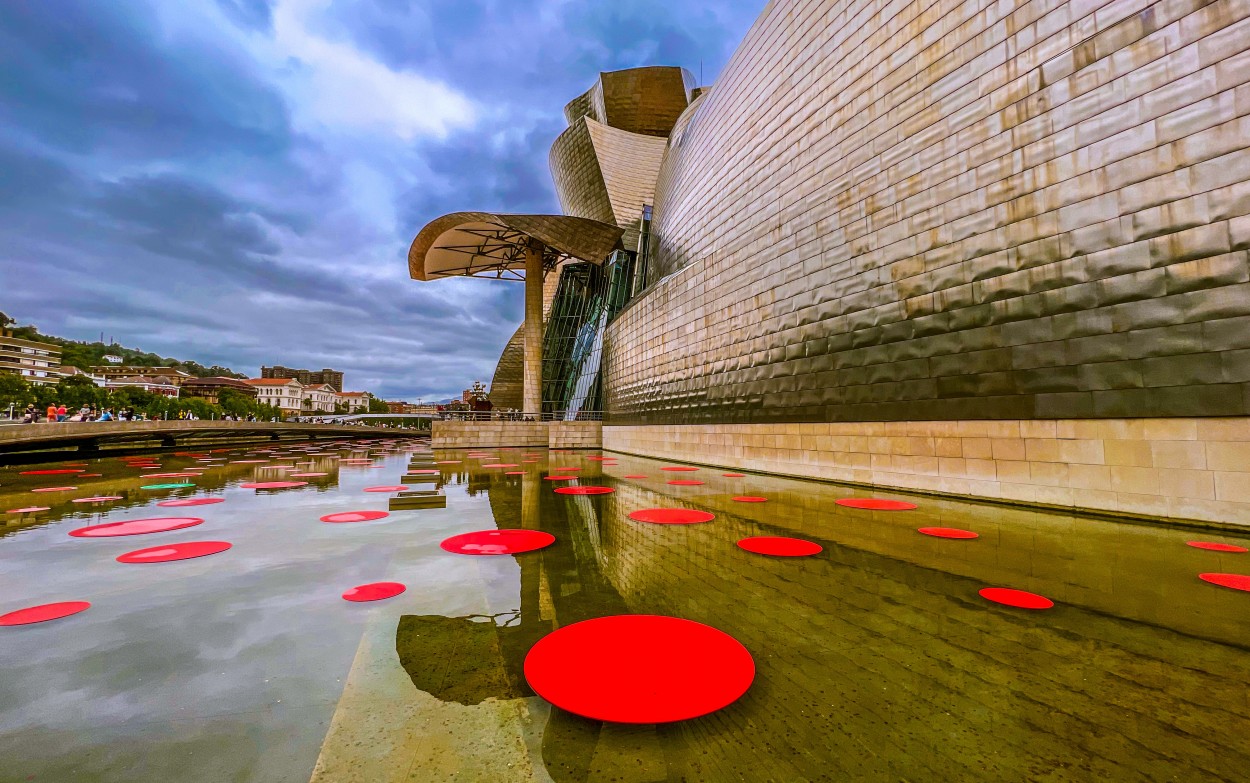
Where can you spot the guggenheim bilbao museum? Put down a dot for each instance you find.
(985, 249)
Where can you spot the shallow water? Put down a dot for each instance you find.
(876, 659)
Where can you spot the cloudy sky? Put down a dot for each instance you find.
(236, 182)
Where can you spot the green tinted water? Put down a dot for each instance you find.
(876, 660)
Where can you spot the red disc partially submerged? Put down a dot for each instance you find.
(1216, 547)
(28, 510)
(1020, 599)
(750, 499)
(671, 516)
(374, 591)
(183, 474)
(97, 499)
(392, 488)
(639, 669)
(170, 552)
(947, 532)
(308, 475)
(136, 527)
(44, 612)
(498, 542)
(560, 478)
(684, 483)
(1232, 581)
(354, 516)
(501, 465)
(780, 546)
(181, 502)
(57, 472)
(583, 490)
(680, 468)
(734, 475)
(876, 504)
(273, 484)
(53, 489)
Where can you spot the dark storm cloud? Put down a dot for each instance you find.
(185, 176)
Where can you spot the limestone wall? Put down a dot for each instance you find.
(954, 210)
(1196, 469)
(474, 434)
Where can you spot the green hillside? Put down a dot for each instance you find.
(84, 356)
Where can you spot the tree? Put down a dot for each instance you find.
(77, 390)
(377, 406)
(15, 391)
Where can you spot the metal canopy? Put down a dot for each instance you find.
(482, 244)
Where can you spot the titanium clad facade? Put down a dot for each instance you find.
(957, 210)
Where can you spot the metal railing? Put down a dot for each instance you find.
(520, 416)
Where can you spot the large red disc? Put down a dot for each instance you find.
(1017, 598)
(1216, 547)
(584, 490)
(639, 668)
(750, 499)
(273, 484)
(671, 516)
(374, 591)
(498, 542)
(53, 489)
(354, 516)
(734, 475)
(780, 546)
(501, 465)
(170, 552)
(1233, 581)
(28, 510)
(681, 468)
(876, 504)
(560, 478)
(947, 532)
(136, 527)
(60, 472)
(180, 502)
(44, 612)
(684, 483)
(394, 488)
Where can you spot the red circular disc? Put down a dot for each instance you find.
(424, 473)
(28, 510)
(583, 490)
(170, 552)
(1234, 581)
(136, 527)
(876, 504)
(44, 612)
(97, 499)
(635, 476)
(1214, 547)
(307, 475)
(734, 475)
(671, 516)
(273, 484)
(90, 475)
(61, 472)
(678, 468)
(498, 542)
(180, 502)
(780, 546)
(354, 516)
(501, 465)
(947, 532)
(565, 470)
(168, 475)
(685, 483)
(1017, 598)
(448, 462)
(514, 473)
(398, 488)
(560, 478)
(374, 591)
(639, 668)
(251, 461)
(750, 499)
(53, 489)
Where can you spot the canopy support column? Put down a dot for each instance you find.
(532, 378)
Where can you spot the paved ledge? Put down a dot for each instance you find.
(97, 436)
(540, 434)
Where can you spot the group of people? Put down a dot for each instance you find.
(57, 413)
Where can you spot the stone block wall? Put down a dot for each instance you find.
(575, 434)
(1032, 209)
(1193, 469)
(474, 434)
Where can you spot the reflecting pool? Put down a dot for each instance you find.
(876, 659)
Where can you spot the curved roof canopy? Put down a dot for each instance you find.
(483, 244)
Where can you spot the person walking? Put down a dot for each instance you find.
(61, 412)
(32, 415)
(51, 413)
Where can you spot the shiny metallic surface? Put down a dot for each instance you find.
(954, 211)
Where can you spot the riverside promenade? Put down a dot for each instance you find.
(20, 442)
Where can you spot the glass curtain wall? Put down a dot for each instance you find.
(587, 299)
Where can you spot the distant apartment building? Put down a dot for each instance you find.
(155, 384)
(355, 402)
(286, 394)
(320, 398)
(396, 406)
(111, 372)
(332, 378)
(38, 363)
(209, 389)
